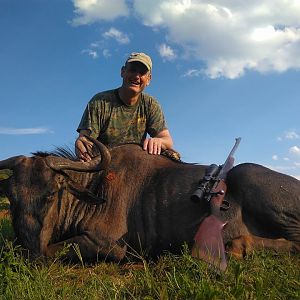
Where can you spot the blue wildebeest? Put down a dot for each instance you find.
(127, 199)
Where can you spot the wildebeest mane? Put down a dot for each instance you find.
(65, 152)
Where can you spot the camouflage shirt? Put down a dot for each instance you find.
(112, 122)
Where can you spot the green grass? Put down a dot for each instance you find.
(263, 275)
(5, 173)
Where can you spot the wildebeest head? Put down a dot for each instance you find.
(36, 182)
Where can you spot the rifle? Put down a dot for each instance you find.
(209, 244)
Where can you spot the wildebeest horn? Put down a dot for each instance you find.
(100, 162)
(11, 162)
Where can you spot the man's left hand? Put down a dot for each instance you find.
(153, 145)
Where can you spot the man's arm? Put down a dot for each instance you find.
(161, 141)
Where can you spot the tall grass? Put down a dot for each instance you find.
(262, 275)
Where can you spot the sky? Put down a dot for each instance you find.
(222, 69)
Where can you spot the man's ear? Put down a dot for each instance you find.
(149, 79)
(123, 71)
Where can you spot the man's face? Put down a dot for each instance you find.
(135, 76)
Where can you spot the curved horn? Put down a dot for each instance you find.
(11, 162)
(100, 162)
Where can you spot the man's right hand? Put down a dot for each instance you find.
(83, 146)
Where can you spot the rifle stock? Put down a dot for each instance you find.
(208, 241)
(209, 244)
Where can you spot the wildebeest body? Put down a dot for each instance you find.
(147, 208)
(269, 201)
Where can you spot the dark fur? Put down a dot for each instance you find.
(147, 208)
(65, 152)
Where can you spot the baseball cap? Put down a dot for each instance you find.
(141, 57)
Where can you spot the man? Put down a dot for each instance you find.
(126, 114)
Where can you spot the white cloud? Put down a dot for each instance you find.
(192, 73)
(89, 11)
(288, 135)
(230, 37)
(166, 52)
(226, 37)
(90, 52)
(275, 157)
(294, 150)
(291, 135)
(97, 44)
(24, 131)
(117, 35)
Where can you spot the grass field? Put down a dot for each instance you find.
(263, 275)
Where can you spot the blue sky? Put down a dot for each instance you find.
(221, 69)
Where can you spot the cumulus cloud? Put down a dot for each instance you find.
(230, 37)
(24, 131)
(89, 11)
(289, 135)
(117, 35)
(294, 150)
(227, 37)
(166, 52)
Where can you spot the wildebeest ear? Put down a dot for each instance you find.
(82, 193)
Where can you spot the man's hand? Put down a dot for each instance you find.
(153, 145)
(83, 147)
(161, 141)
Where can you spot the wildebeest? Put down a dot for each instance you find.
(126, 199)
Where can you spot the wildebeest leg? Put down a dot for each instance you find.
(90, 249)
(245, 244)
